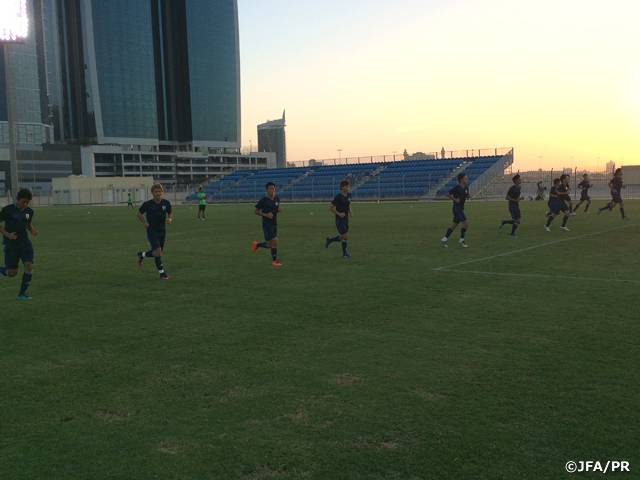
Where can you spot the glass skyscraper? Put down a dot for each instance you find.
(145, 72)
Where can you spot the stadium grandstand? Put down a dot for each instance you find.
(404, 179)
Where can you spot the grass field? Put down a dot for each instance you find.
(503, 360)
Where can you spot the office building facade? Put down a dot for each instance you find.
(271, 138)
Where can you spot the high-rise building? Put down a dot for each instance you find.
(148, 87)
(271, 138)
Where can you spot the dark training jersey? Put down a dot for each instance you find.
(514, 192)
(585, 185)
(342, 204)
(563, 192)
(266, 205)
(16, 221)
(616, 183)
(156, 214)
(460, 192)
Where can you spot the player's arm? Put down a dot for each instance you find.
(611, 186)
(10, 236)
(332, 207)
(170, 217)
(452, 198)
(32, 229)
(511, 199)
(258, 212)
(143, 220)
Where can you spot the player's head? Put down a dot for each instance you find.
(157, 191)
(556, 181)
(585, 176)
(200, 188)
(345, 185)
(462, 176)
(271, 189)
(618, 172)
(23, 198)
(516, 179)
(564, 178)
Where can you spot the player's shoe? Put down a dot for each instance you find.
(461, 242)
(547, 228)
(346, 255)
(588, 213)
(572, 214)
(164, 276)
(22, 296)
(599, 210)
(326, 244)
(254, 247)
(276, 263)
(140, 257)
(501, 223)
(564, 228)
(444, 241)
(513, 235)
(626, 218)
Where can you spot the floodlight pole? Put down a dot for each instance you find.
(13, 159)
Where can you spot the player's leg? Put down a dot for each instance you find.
(609, 206)
(344, 238)
(578, 205)
(454, 225)
(549, 220)
(26, 255)
(515, 216)
(624, 217)
(586, 209)
(337, 238)
(11, 262)
(565, 219)
(463, 231)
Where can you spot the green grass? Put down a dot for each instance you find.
(326, 368)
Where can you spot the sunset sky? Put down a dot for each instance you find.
(551, 78)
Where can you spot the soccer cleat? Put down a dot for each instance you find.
(501, 223)
(572, 214)
(140, 257)
(22, 296)
(276, 263)
(326, 244)
(564, 228)
(254, 247)
(599, 210)
(626, 218)
(461, 242)
(548, 229)
(444, 241)
(588, 213)
(346, 255)
(513, 235)
(164, 276)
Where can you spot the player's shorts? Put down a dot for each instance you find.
(156, 239)
(342, 224)
(567, 198)
(129, 204)
(514, 210)
(270, 231)
(616, 197)
(13, 253)
(584, 196)
(560, 206)
(201, 208)
(458, 214)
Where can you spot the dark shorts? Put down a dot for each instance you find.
(458, 214)
(156, 239)
(342, 225)
(584, 196)
(270, 232)
(514, 210)
(567, 198)
(201, 208)
(14, 253)
(616, 197)
(129, 204)
(560, 206)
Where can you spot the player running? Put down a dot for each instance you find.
(268, 208)
(514, 198)
(616, 186)
(458, 194)
(158, 214)
(17, 219)
(341, 207)
(560, 205)
(584, 185)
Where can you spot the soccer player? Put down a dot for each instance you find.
(17, 220)
(616, 195)
(158, 214)
(202, 203)
(129, 201)
(514, 198)
(458, 195)
(268, 208)
(560, 205)
(341, 207)
(584, 185)
(553, 196)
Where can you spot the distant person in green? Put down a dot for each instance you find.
(129, 201)
(202, 203)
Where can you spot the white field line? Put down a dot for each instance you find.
(566, 239)
(545, 276)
